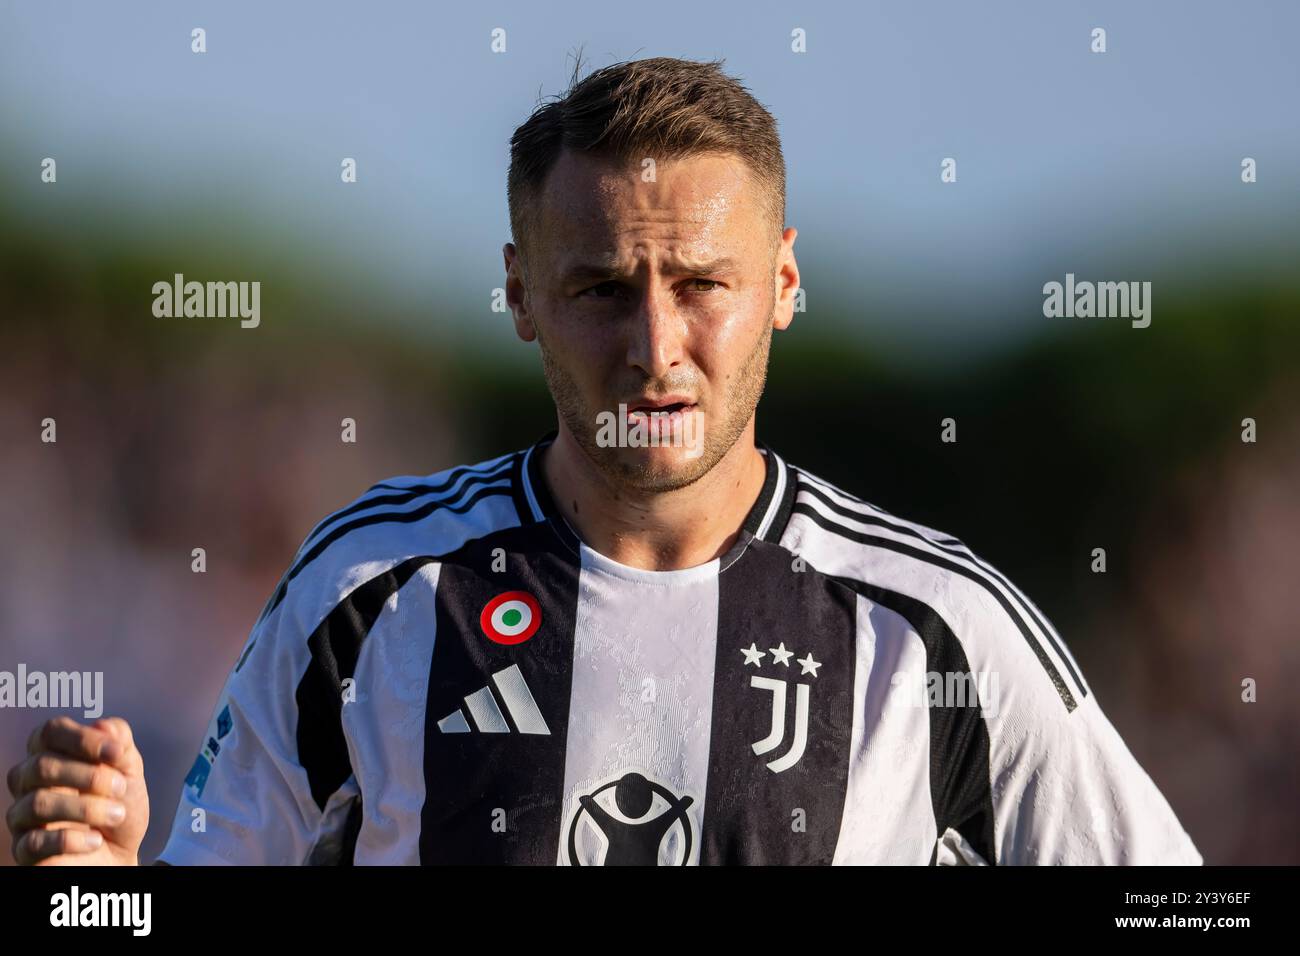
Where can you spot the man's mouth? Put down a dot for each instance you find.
(674, 420)
(644, 409)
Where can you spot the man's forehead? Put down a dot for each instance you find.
(597, 203)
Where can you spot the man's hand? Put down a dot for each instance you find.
(79, 797)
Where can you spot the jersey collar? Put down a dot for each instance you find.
(766, 520)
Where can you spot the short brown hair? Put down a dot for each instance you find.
(661, 107)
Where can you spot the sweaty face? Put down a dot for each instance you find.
(658, 297)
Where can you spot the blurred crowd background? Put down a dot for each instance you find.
(923, 302)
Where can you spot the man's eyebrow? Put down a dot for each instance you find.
(608, 269)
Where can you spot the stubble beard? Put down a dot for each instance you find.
(641, 477)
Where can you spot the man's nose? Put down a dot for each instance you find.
(656, 334)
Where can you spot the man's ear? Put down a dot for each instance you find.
(786, 279)
(517, 293)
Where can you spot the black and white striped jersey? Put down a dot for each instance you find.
(448, 674)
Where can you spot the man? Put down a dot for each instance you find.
(647, 636)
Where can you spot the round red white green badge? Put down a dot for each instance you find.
(511, 618)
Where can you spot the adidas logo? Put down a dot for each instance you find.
(486, 712)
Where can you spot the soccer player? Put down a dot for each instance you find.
(647, 636)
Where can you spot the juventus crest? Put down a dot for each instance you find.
(779, 686)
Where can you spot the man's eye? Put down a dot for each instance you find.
(609, 288)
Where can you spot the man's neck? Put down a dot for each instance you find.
(658, 531)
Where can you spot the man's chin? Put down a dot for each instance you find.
(652, 470)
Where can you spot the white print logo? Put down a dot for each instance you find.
(214, 300)
(780, 688)
(1103, 300)
(652, 429)
(62, 689)
(486, 713)
(946, 689)
(102, 909)
(631, 819)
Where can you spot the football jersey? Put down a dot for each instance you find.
(447, 673)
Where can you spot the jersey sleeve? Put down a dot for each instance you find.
(1066, 790)
(248, 799)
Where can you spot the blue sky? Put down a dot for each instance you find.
(1122, 165)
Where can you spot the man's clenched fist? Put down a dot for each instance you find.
(79, 796)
